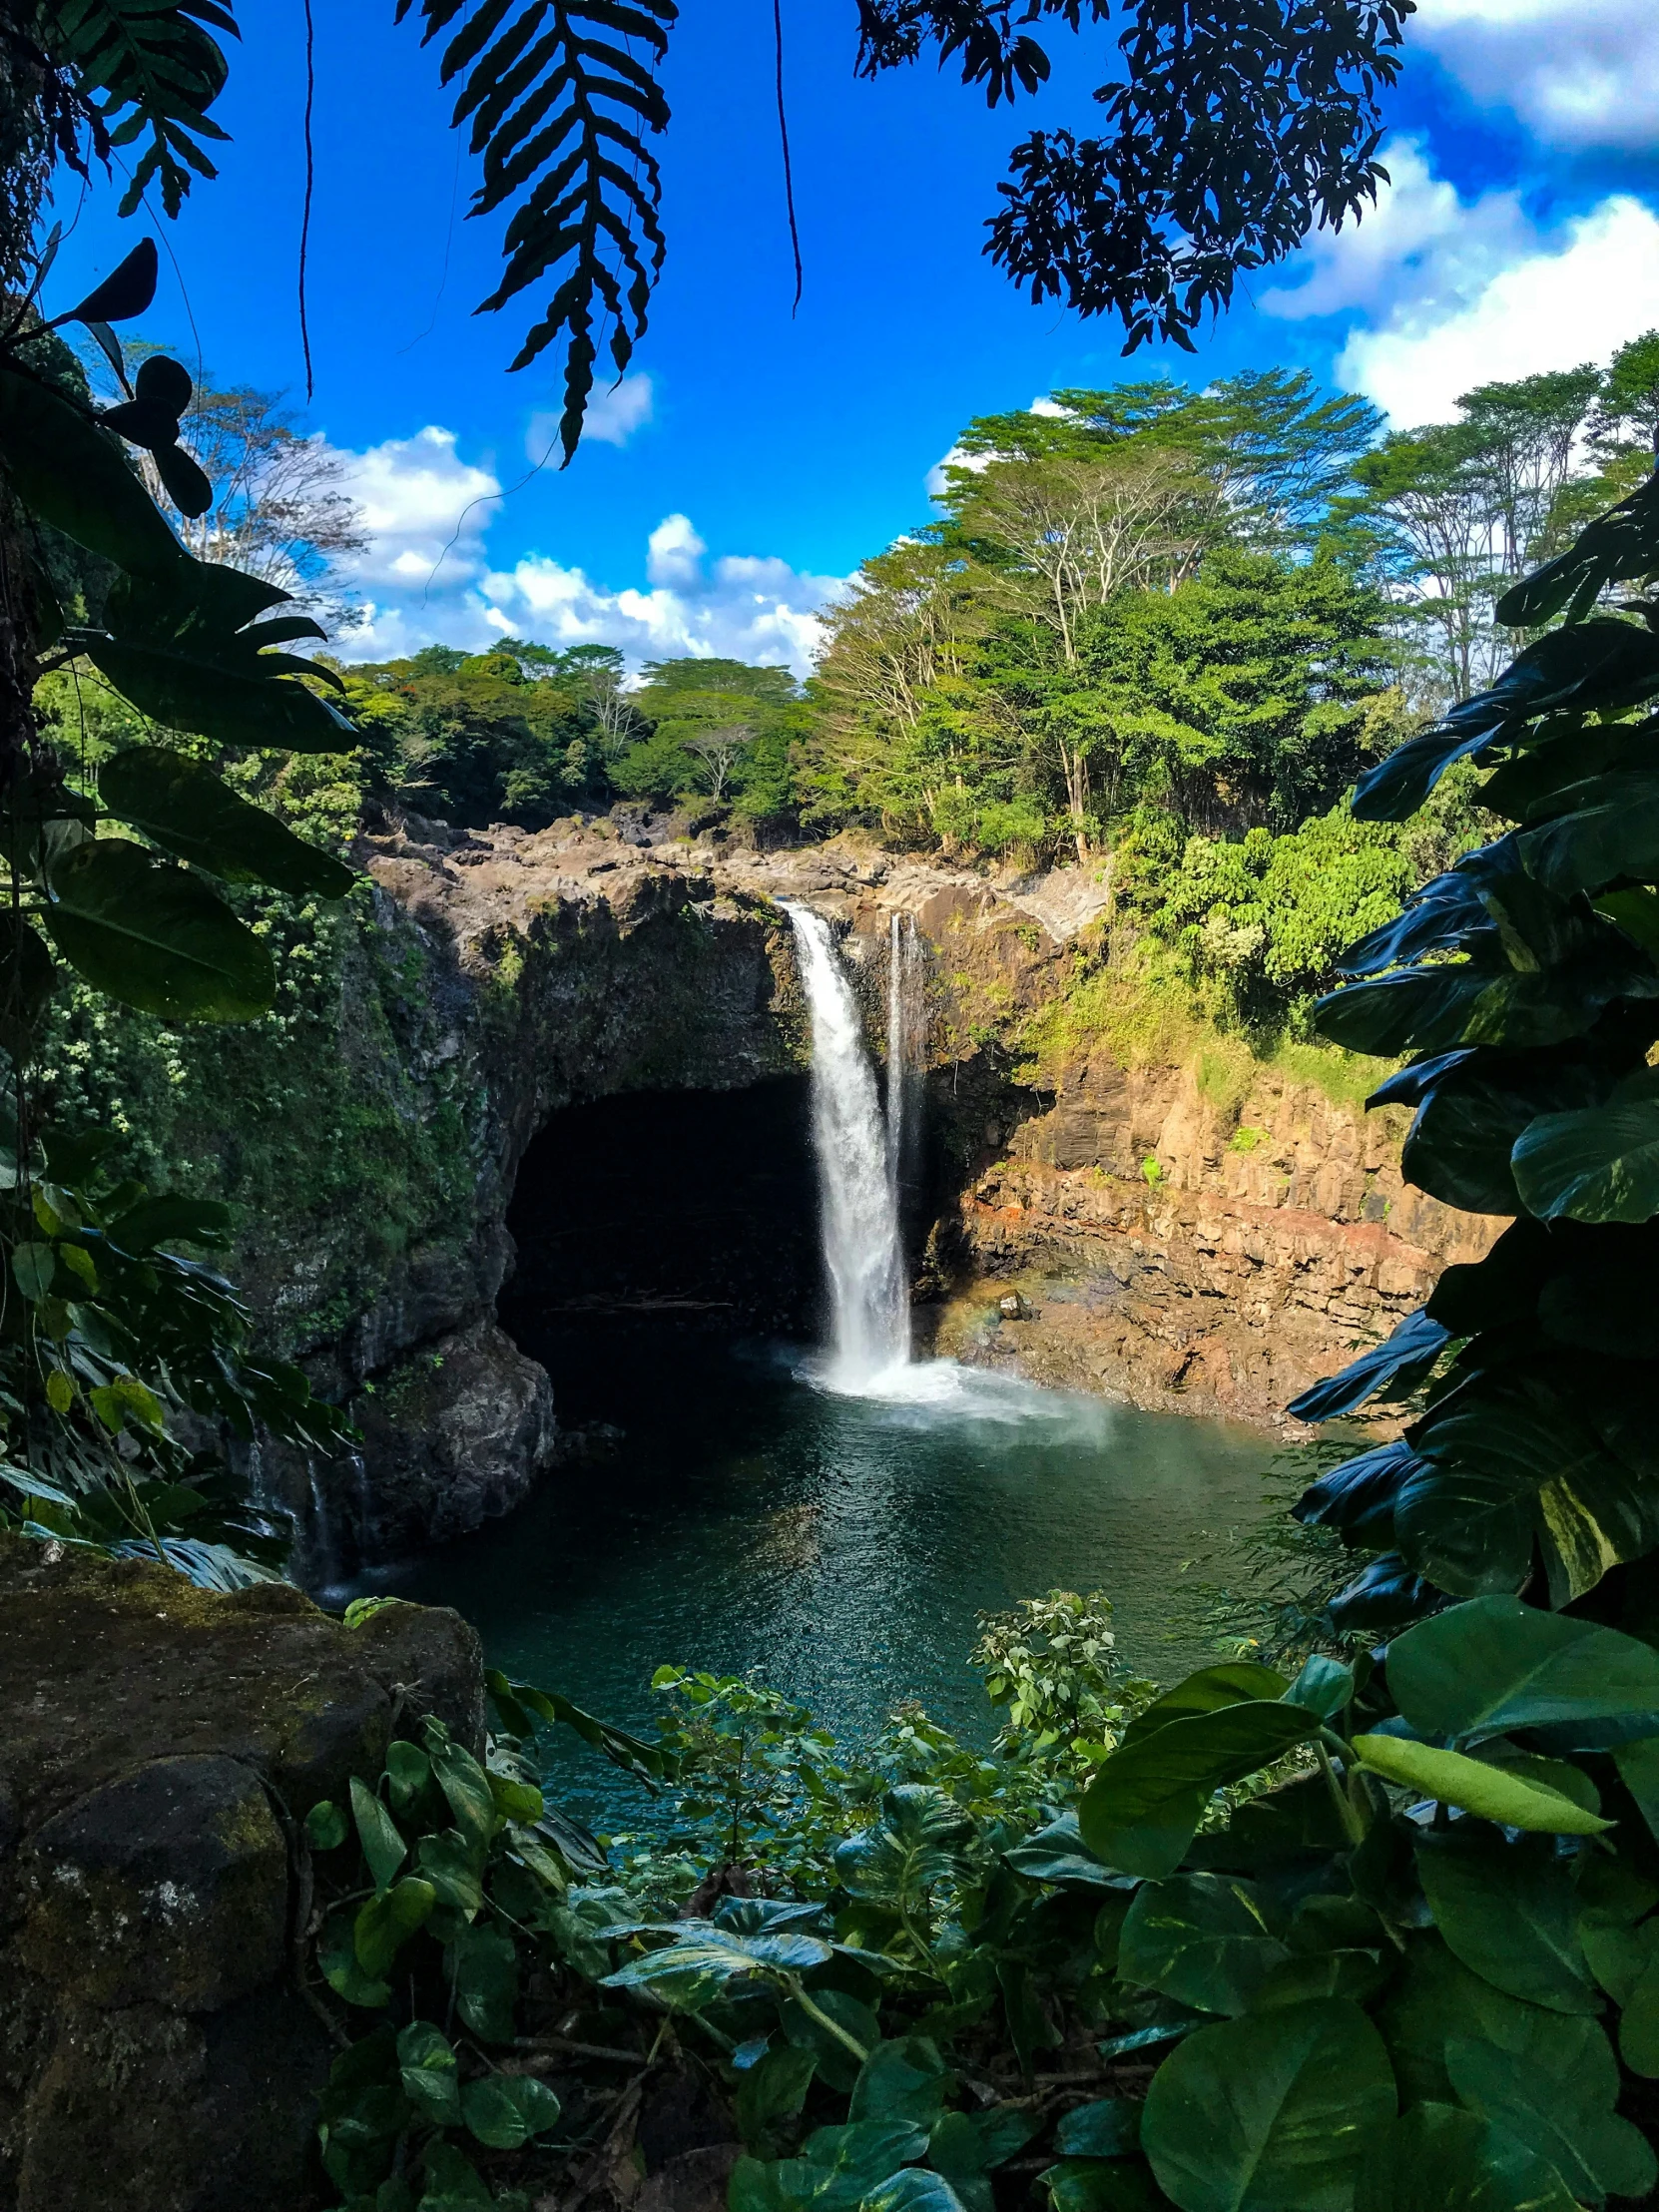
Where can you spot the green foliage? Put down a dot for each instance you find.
(112, 1343)
(720, 729)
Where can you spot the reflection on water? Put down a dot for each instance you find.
(753, 1518)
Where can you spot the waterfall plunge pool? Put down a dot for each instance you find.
(839, 1546)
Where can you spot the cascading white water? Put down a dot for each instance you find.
(858, 1185)
(904, 1042)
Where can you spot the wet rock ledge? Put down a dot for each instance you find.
(161, 1745)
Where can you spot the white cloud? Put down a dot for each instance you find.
(421, 505)
(1455, 293)
(674, 552)
(1577, 300)
(743, 608)
(612, 418)
(1419, 246)
(415, 493)
(1577, 72)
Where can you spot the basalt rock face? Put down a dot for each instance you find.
(1184, 1254)
(162, 1742)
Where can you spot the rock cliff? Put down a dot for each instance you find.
(1164, 1246)
(161, 1745)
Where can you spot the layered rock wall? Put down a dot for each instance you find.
(1184, 1253)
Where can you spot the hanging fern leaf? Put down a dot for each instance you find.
(561, 111)
(146, 73)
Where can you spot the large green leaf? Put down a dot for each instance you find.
(1600, 1164)
(1495, 1792)
(1496, 1665)
(1140, 1812)
(1508, 1458)
(1509, 1912)
(1415, 1010)
(904, 2081)
(1440, 2158)
(1232, 1682)
(1275, 2113)
(383, 1848)
(1201, 1939)
(483, 1971)
(187, 650)
(1459, 1145)
(385, 1924)
(915, 1843)
(1609, 829)
(1557, 2099)
(75, 476)
(180, 805)
(155, 936)
(27, 977)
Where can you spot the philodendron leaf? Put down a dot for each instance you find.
(187, 650)
(27, 977)
(1200, 1938)
(1232, 1682)
(1396, 1367)
(1143, 1807)
(1509, 1912)
(1496, 1665)
(429, 2073)
(1275, 2113)
(180, 805)
(1495, 1792)
(1440, 2158)
(913, 1845)
(1600, 1164)
(75, 476)
(914, 2189)
(155, 936)
(383, 1848)
(385, 1924)
(505, 2110)
(484, 1966)
(1558, 2101)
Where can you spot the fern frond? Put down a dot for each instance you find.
(148, 71)
(560, 110)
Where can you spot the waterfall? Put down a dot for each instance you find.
(904, 1042)
(858, 1183)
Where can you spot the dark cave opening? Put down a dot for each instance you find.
(693, 1206)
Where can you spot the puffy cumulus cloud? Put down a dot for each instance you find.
(1420, 247)
(421, 504)
(1453, 292)
(741, 607)
(674, 552)
(1575, 300)
(1577, 72)
(612, 418)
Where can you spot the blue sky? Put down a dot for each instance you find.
(751, 460)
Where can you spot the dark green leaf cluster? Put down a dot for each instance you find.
(1524, 982)
(139, 74)
(108, 1336)
(1434, 1928)
(563, 109)
(109, 1341)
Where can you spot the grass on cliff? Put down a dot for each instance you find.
(1146, 1016)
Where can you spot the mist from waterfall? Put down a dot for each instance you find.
(858, 1173)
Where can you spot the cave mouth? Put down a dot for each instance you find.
(686, 1209)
